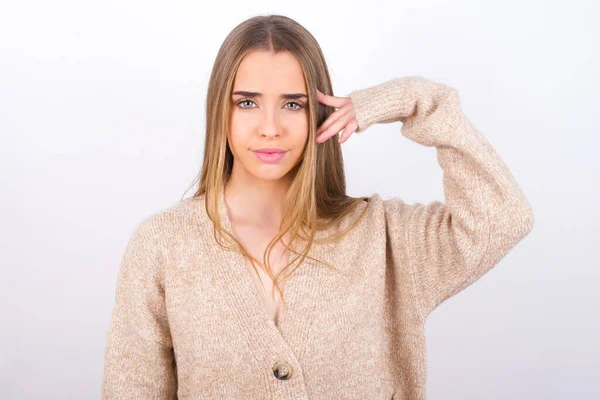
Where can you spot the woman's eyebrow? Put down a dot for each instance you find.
(288, 96)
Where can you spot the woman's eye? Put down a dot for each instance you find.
(245, 101)
(298, 106)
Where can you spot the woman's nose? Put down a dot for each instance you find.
(269, 125)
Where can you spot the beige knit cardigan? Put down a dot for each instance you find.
(189, 323)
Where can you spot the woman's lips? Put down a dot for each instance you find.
(269, 157)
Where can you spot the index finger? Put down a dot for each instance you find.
(332, 101)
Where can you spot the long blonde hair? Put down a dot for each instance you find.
(316, 198)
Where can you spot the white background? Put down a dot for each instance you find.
(101, 122)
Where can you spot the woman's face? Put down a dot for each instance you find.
(274, 116)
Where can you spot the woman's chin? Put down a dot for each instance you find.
(270, 172)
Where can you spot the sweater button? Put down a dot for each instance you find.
(282, 370)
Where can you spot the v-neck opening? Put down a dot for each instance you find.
(291, 333)
(241, 262)
(263, 297)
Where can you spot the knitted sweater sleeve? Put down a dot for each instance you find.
(139, 359)
(453, 243)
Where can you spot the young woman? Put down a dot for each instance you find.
(271, 282)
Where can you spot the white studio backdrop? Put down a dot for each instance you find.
(102, 124)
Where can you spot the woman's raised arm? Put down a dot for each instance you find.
(485, 214)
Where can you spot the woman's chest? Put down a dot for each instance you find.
(268, 292)
(256, 241)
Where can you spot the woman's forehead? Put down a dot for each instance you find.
(270, 74)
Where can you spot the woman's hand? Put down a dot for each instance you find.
(342, 118)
